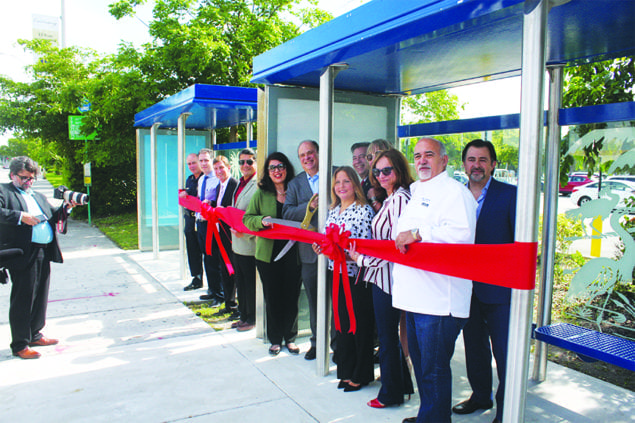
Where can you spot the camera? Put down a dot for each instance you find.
(63, 193)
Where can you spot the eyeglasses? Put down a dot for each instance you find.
(248, 161)
(25, 178)
(386, 171)
(279, 167)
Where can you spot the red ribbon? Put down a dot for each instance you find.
(508, 265)
(333, 245)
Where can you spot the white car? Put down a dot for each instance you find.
(588, 192)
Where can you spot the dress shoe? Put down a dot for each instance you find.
(375, 403)
(343, 384)
(234, 316)
(274, 349)
(352, 388)
(222, 312)
(311, 354)
(27, 353)
(409, 420)
(293, 348)
(245, 327)
(237, 323)
(44, 342)
(469, 406)
(195, 284)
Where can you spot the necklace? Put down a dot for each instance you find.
(281, 192)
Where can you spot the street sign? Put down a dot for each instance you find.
(74, 129)
(87, 176)
(85, 107)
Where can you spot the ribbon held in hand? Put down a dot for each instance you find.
(333, 245)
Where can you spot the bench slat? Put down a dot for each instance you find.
(600, 346)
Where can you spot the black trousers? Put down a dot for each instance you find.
(281, 289)
(228, 281)
(29, 299)
(194, 253)
(355, 351)
(211, 262)
(245, 277)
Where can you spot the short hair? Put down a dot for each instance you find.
(360, 198)
(400, 168)
(479, 143)
(23, 163)
(359, 145)
(266, 183)
(442, 151)
(315, 144)
(221, 158)
(208, 151)
(381, 144)
(247, 151)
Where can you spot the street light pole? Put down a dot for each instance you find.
(63, 19)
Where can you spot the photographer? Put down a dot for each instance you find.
(27, 222)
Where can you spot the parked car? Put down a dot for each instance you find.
(576, 179)
(588, 192)
(628, 178)
(461, 177)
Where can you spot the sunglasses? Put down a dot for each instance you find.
(386, 171)
(25, 178)
(280, 167)
(248, 161)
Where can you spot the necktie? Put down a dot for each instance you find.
(203, 187)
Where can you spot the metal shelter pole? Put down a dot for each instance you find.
(325, 140)
(549, 218)
(249, 126)
(181, 183)
(153, 189)
(531, 117)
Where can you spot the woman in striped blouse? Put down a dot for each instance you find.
(390, 173)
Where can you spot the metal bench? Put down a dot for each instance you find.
(588, 343)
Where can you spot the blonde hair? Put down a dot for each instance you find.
(360, 198)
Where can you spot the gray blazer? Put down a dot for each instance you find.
(298, 195)
(245, 246)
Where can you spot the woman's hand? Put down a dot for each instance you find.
(353, 254)
(316, 248)
(236, 233)
(266, 223)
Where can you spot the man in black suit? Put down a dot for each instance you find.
(224, 197)
(194, 253)
(489, 309)
(361, 165)
(299, 193)
(27, 222)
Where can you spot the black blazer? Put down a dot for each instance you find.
(496, 225)
(226, 201)
(15, 235)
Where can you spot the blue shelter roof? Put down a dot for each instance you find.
(408, 47)
(212, 106)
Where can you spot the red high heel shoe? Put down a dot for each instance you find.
(375, 403)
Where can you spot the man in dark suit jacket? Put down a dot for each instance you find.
(225, 192)
(27, 222)
(299, 192)
(194, 253)
(489, 309)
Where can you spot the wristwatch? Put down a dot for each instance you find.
(415, 234)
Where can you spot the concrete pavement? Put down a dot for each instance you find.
(130, 350)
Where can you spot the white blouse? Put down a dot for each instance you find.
(384, 223)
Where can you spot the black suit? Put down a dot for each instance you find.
(489, 309)
(30, 273)
(194, 253)
(229, 284)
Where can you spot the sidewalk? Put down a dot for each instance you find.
(131, 351)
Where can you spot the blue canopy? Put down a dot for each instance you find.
(409, 47)
(212, 106)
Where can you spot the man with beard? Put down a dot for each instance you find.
(489, 311)
(437, 306)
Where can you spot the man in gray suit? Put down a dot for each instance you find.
(299, 192)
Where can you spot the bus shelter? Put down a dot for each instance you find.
(182, 123)
(384, 50)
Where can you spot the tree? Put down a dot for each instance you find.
(596, 83)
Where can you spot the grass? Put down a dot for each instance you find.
(54, 179)
(121, 229)
(218, 322)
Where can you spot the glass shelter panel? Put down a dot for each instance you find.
(167, 184)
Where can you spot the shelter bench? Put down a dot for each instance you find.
(589, 344)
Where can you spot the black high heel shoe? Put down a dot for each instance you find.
(352, 388)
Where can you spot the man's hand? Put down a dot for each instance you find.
(29, 219)
(403, 239)
(314, 202)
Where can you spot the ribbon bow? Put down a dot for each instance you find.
(210, 214)
(333, 245)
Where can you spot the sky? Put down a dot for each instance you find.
(88, 24)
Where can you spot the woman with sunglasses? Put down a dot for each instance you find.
(354, 354)
(376, 197)
(389, 174)
(280, 278)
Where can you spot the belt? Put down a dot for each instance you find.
(38, 245)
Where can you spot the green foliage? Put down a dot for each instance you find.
(121, 229)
